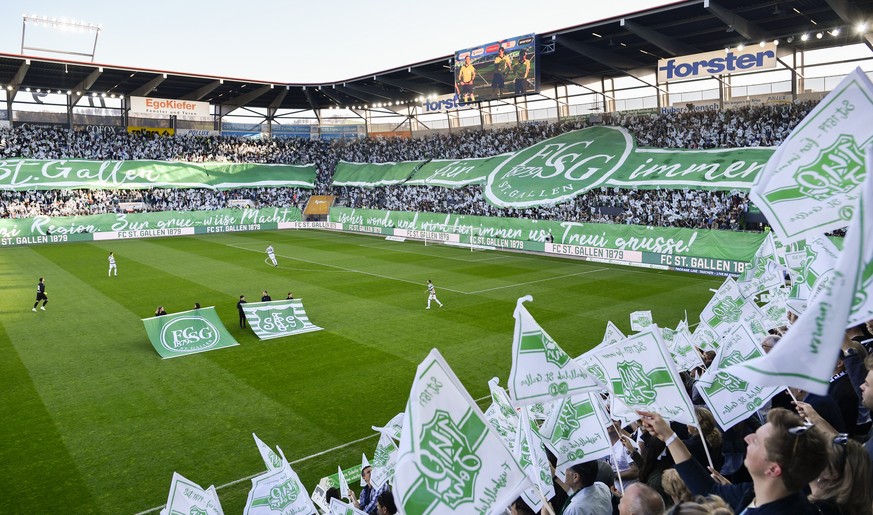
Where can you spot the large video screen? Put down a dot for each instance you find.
(501, 69)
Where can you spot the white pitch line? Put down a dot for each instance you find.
(539, 280)
(388, 248)
(300, 460)
(345, 269)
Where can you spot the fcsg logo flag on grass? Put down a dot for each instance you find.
(188, 332)
(278, 318)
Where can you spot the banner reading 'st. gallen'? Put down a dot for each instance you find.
(187, 332)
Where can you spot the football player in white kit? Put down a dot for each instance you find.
(431, 295)
(112, 267)
(272, 255)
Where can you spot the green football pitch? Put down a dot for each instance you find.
(93, 421)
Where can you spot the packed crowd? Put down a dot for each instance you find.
(696, 209)
(799, 454)
(27, 204)
(748, 126)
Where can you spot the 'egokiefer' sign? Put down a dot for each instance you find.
(719, 62)
(166, 106)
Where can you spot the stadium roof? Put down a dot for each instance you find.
(621, 46)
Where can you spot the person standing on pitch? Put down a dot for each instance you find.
(40, 295)
(431, 294)
(272, 255)
(265, 297)
(112, 267)
(242, 314)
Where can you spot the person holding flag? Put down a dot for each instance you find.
(782, 457)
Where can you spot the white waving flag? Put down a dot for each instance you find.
(189, 497)
(393, 427)
(811, 263)
(531, 455)
(731, 399)
(365, 463)
(862, 306)
(278, 492)
(613, 334)
(728, 307)
(640, 320)
(576, 431)
(810, 184)
(384, 462)
(451, 461)
(641, 374)
(343, 484)
(541, 370)
(682, 349)
(271, 459)
(338, 507)
(805, 356)
(501, 415)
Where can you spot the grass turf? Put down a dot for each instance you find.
(95, 422)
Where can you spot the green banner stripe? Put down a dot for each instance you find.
(788, 374)
(373, 174)
(30, 174)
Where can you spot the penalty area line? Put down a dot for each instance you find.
(299, 460)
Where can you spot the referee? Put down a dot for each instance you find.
(40, 295)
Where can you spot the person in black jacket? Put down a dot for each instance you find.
(242, 314)
(40, 294)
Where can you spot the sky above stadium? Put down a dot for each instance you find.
(290, 40)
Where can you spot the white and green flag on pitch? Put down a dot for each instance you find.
(272, 460)
(812, 182)
(187, 497)
(640, 320)
(641, 374)
(384, 462)
(188, 332)
(804, 357)
(541, 370)
(731, 399)
(576, 431)
(278, 318)
(451, 461)
(278, 492)
(338, 507)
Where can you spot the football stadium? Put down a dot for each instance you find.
(617, 267)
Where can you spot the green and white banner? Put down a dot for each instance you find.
(370, 175)
(731, 399)
(451, 461)
(811, 263)
(272, 460)
(62, 229)
(530, 453)
(560, 168)
(812, 183)
(455, 173)
(541, 370)
(40, 174)
(576, 430)
(641, 374)
(688, 250)
(278, 318)
(278, 492)
(682, 349)
(187, 332)
(187, 497)
(394, 426)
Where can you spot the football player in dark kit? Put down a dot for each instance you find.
(40, 295)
